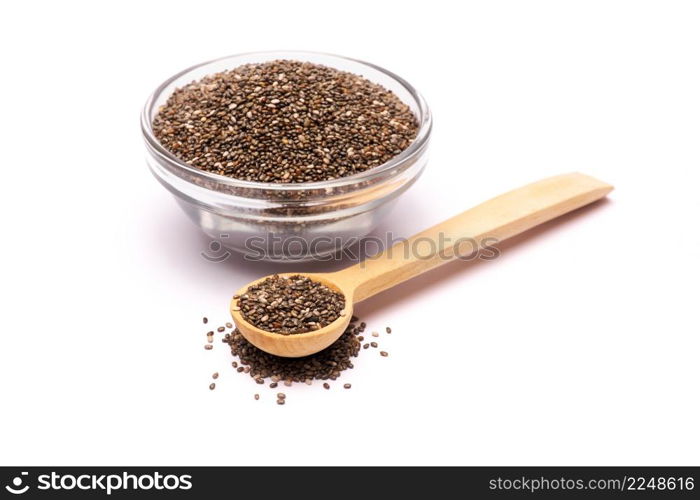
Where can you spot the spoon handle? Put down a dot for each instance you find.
(495, 220)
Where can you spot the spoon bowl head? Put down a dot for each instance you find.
(293, 345)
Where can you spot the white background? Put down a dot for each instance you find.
(579, 345)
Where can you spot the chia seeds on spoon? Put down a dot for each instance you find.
(284, 122)
(289, 305)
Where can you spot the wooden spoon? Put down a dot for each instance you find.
(492, 221)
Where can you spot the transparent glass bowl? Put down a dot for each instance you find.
(290, 222)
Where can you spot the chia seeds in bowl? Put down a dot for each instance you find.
(364, 138)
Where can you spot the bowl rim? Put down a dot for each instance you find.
(414, 149)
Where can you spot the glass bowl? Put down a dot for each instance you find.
(288, 222)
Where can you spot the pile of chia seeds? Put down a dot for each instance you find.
(327, 365)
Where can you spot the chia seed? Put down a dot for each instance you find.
(284, 122)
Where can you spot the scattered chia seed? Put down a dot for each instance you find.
(229, 325)
(290, 305)
(208, 347)
(212, 386)
(325, 365)
(284, 122)
(375, 334)
(388, 330)
(205, 320)
(220, 329)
